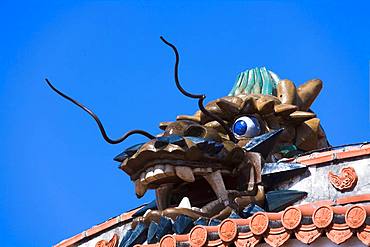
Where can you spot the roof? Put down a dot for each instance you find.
(305, 222)
(336, 232)
(336, 154)
(112, 222)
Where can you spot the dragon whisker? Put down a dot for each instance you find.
(97, 120)
(200, 97)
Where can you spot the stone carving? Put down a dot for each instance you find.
(346, 180)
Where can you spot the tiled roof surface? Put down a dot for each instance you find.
(313, 158)
(333, 155)
(98, 228)
(305, 223)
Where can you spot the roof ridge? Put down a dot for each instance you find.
(253, 230)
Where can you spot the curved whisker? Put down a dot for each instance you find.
(200, 97)
(97, 120)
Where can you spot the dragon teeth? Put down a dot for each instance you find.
(142, 178)
(185, 203)
(185, 173)
(169, 170)
(162, 195)
(158, 172)
(196, 209)
(140, 188)
(216, 181)
(149, 177)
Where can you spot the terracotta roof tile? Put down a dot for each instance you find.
(324, 215)
(98, 228)
(335, 154)
(72, 240)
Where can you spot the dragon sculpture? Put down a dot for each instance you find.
(230, 154)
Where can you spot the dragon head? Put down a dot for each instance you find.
(210, 163)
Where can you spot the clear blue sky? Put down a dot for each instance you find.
(57, 176)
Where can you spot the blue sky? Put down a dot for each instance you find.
(57, 176)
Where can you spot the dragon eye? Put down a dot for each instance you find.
(246, 127)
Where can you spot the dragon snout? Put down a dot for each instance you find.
(206, 145)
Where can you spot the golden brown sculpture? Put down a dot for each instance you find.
(211, 163)
(177, 168)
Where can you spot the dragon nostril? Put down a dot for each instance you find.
(161, 142)
(195, 130)
(210, 146)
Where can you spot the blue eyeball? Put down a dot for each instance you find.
(246, 127)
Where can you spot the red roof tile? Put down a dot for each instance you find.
(98, 228)
(288, 224)
(336, 154)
